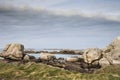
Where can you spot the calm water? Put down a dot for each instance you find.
(57, 55)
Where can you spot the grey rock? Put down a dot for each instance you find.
(92, 55)
(13, 51)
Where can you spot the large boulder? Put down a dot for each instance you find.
(116, 43)
(13, 51)
(92, 55)
(105, 61)
(112, 51)
(115, 54)
(72, 59)
(67, 51)
(107, 58)
(91, 58)
(46, 56)
(78, 52)
(28, 58)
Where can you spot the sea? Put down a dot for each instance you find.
(57, 55)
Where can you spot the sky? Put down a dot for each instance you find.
(62, 24)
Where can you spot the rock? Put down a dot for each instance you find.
(6, 48)
(78, 52)
(91, 58)
(111, 56)
(13, 51)
(115, 54)
(67, 51)
(112, 51)
(77, 56)
(116, 43)
(105, 61)
(61, 60)
(72, 59)
(116, 62)
(107, 57)
(28, 58)
(46, 56)
(92, 55)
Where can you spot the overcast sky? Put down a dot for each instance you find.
(73, 24)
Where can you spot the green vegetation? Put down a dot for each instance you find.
(37, 71)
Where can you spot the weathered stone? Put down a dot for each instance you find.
(6, 48)
(13, 51)
(78, 52)
(116, 43)
(46, 56)
(28, 58)
(112, 51)
(105, 61)
(115, 54)
(107, 57)
(91, 55)
(72, 59)
(67, 51)
(61, 60)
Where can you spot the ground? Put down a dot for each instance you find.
(39, 71)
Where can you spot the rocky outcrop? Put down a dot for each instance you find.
(115, 44)
(112, 51)
(92, 55)
(72, 59)
(46, 56)
(28, 58)
(69, 51)
(91, 58)
(13, 51)
(78, 52)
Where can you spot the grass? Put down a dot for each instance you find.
(35, 71)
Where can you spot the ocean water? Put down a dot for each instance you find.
(57, 55)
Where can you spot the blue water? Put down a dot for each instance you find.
(57, 55)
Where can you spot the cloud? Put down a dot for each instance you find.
(61, 12)
(40, 27)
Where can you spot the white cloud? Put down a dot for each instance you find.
(45, 27)
(61, 12)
